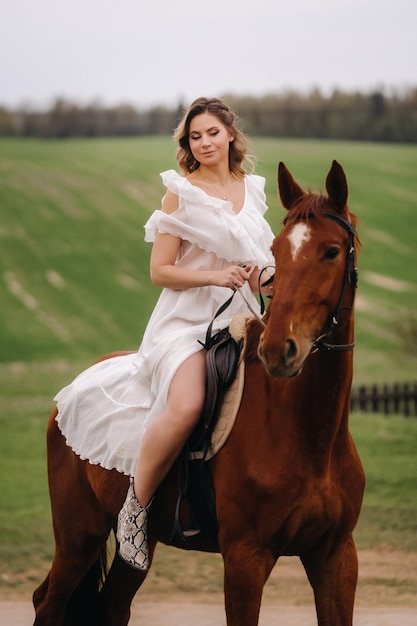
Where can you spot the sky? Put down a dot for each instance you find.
(163, 52)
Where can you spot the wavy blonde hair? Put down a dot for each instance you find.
(238, 147)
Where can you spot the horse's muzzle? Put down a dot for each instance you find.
(282, 360)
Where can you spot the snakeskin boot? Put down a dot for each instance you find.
(132, 525)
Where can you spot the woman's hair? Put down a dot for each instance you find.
(238, 147)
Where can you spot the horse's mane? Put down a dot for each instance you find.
(253, 332)
(309, 205)
(312, 205)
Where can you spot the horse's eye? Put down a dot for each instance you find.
(331, 253)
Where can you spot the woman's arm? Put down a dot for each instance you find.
(254, 282)
(165, 273)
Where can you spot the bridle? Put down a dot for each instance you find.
(350, 278)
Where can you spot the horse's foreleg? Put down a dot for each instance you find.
(40, 592)
(246, 570)
(334, 584)
(119, 589)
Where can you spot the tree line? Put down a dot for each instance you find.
(342, 115)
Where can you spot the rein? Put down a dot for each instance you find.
(256, 315)
(251, 309)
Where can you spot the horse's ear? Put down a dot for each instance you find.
(336, 186)
(289, 190)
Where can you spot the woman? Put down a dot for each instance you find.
(209, 237)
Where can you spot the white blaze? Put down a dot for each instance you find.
(298, 236)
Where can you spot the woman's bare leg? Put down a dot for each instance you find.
(161, 444)
(166, 435)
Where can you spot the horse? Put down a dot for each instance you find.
(287, 482)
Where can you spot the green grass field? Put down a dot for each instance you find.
(74, 267)
(74, 285)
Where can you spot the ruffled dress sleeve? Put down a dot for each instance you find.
(211, 224)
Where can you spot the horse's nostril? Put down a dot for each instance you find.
(290, 350)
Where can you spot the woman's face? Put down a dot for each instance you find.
(209, 139)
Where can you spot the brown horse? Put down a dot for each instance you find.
(288, 481)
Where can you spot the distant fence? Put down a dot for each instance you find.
(399, 398)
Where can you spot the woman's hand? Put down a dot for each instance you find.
(233, 277)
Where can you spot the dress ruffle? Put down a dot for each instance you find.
(240, 237)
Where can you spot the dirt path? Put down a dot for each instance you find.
(17, 613)
(386, 594)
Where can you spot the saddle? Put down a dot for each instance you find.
(222, 360)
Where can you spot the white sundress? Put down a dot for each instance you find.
(104, 411)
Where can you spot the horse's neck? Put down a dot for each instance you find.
(312, 408)
(317, 409)
(327, 380)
